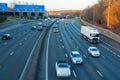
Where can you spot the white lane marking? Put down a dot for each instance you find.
(77, 47)
(74, 73)
(20, 43)
(60, 40)
(118, 55)
(29, 60)
(13, 37)
(62, 46)
(99, 73)
(85, 56)
(11, 53)
(110, 50)
(25, 38)
(103, 56)
(114, 53)
(5, 43)
(48, 41)
(66, 55)
(111, 46)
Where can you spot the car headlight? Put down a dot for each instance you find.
(58, 72)
(69, 72)
(74, 60)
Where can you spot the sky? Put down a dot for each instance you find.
(59, 4)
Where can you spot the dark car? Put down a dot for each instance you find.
(33, 28)
(6, 36)
(40, 28)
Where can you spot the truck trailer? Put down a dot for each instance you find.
(91, 34)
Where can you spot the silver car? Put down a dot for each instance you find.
(76, 57)
(93, 51)
(39, 23)
(40, 28)
(63, 69)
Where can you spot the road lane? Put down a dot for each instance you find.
(14, 55)
(109, 68)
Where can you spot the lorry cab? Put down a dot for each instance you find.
(94, 36)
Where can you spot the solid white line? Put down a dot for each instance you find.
(99, 73)
(47, 55)
(28, 60)
(74, 73)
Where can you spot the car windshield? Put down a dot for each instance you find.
(94, 49)
(76, 55)
(94, 35)
(63, 65)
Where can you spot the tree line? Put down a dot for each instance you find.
(105, 12)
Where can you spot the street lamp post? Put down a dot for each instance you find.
(108, 15)
(93, 13)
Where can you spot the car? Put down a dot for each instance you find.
(40, 28)
(6, 36)
(33, 28)
(44, 25)
(76, 57)
(93, 51)
(39, 23)
(55, 30)
(45, 19)
(63, 69)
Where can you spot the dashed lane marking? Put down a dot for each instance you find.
(20, 43)
(100, 73)
(66, 55)
(62, 46)
(5, 43)
(103, 56)
(11, 53)
(74, 73)
(85, 56)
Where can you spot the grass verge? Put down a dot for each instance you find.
(8, 21)
(82, 23)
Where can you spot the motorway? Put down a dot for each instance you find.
(105, 67)
(15, 53)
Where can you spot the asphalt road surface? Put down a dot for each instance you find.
(14, 53)
(59, 46)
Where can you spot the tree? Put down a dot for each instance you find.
(114, 13)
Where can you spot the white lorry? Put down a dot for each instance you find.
(91, 34)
